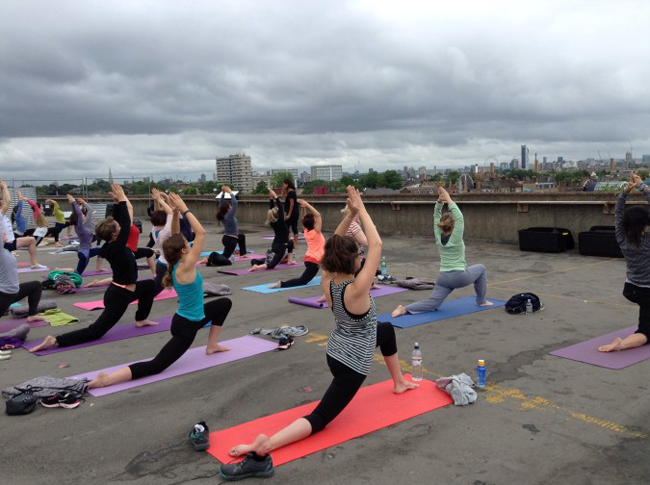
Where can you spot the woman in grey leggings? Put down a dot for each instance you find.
(454, 273)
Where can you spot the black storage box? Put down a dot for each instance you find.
(545, 239)
(137, 223)
(599, 241)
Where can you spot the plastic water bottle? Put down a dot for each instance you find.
(383, 269)
(529, 307)
(416, 363)
(232, 259)
(480, 374)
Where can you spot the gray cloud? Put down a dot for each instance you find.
(165, 87)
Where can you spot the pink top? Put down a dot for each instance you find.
(35, 207)
(315, 246)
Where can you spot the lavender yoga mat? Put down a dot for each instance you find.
(99, 304)
(588, 353)
(192, 361)
(119, 332)
(30, 270)
(8, 325)
(311, 302)
(96, 273)
(244, 271)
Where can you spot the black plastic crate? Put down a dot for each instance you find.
(545, 239)
(599, 241)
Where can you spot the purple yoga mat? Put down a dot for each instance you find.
(244, 271)
(271, 236)
(30, 270)
(119, 332)
(382, 291)
(588, 353)
(193, 360)
(7, 325)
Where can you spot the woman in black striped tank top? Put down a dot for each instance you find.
(352, 344)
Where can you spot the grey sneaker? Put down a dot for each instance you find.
(249, 467)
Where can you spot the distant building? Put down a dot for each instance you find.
(329, 173)
(524, 157)
(202, 179)
(292, 171)
(236, 170)
(645, 159)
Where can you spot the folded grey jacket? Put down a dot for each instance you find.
(279, 332)
(213, 289)
(415, 284)
(459, 387)
(47, 385)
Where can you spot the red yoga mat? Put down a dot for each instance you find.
(374, 407)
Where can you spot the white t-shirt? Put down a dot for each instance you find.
(160, 236)
(8, 230)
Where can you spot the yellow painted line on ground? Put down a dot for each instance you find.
(495, 394)
(555, 271)
(564, 297)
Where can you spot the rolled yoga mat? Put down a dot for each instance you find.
(311, 302)
(374, 407)
(99, 304)
(588, 352)
(193, 360)
(244, 271)
(118, 332)
(8, 325)
(448, 309)
(265, 287)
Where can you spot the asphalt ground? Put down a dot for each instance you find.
(541, 420)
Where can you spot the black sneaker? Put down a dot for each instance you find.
(285, 342)
(199, 436)
(251, 466)
(68, 400)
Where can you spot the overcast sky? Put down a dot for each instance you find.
(164, 87)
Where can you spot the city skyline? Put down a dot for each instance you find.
(371, 84)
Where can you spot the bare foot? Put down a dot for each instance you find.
(93, 283)
(487, 303)
(400, 310)
(98, 381)
(36, 318)
(615, 345)
(254, 268)
(215, 349)
(260, 446)
(321, 299)
(58, 245)
(144, 323)
(276, 285)
(49, 343)
(375, 287)
(404, 385)
(292, 262)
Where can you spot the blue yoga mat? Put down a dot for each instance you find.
(449, 309)
(265, 287)
(205, 254)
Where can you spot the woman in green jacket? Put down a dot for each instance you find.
(454, 273)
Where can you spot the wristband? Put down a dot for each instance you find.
(183, 213)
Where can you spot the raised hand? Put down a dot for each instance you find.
(226, 189)
(118, 193)
(155, 193)
(177, 203)
(272, 194)
(444, 195)
(70, 198)
(355, 204)
(20, 195)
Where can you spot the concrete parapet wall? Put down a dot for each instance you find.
(488, 217)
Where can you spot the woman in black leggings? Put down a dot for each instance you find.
(281, 247)
(192, 314)
(350, 348)
(125, 287)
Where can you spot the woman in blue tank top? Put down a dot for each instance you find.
(192, 314)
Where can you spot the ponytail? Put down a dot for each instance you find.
(173, 251)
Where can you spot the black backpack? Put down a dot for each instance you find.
(517, 303)
(216, 259)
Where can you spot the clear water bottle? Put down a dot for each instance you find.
(529, 307)
(383, 269)
(480, 374)
(416, 363)
(232, 259)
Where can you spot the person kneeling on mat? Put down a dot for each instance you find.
(350, 348)
(633, 238)
(192, 315)
(454, 273)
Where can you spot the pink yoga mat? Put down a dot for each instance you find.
(99, 304)
(8, 325)
(311, 302)
(118, 332)
(30, 270)
(271, 236)
(193, 360)
(244, 271)
(102, 287)
(588, 353)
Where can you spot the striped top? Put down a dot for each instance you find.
(354, 339)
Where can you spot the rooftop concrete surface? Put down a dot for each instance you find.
(541, 420)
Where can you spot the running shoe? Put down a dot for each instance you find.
(253, 465)
(68, 400)
(38, 266)
(5, 356)
(199, 436)
(285, 342)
